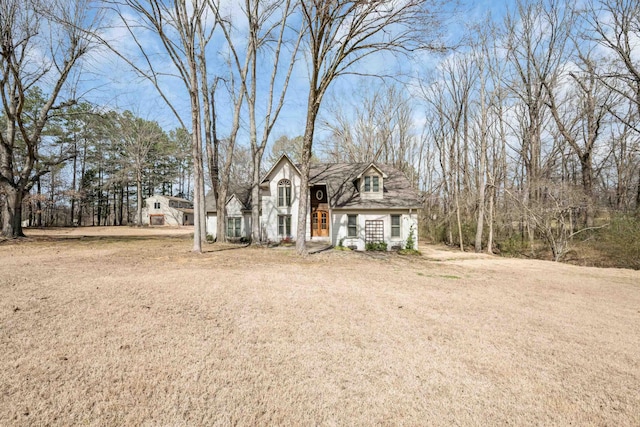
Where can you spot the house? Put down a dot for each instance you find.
(167, 210)
(350, 204)
(238, 209)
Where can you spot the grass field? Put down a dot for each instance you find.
(129, 330)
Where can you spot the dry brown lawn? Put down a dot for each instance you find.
(140, 331)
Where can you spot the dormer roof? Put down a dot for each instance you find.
(341, 181)
(371, 166)
(241, 192)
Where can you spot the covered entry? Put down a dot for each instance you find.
(319, 211)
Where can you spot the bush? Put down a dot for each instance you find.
(620, 242)
(411, 244)
(287, 241)
(513, 245)
(341, 246)
(376, 246)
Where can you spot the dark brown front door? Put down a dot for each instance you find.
(320, 224)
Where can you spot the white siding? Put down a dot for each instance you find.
(270, 208)
(171, 216)
(234, 210)
(339, 230)
(212, 223)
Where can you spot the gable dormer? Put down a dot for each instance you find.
(370, 182)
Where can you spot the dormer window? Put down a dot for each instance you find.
(284, 193)
(371, 183)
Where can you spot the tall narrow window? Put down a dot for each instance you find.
(284, 225)
(156, 205)
(395, 225)
(352, 225)
(284, 193)
(367, 183)
(234, 227)
(376, 183)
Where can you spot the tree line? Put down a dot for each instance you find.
(534, 127)
(527, 127)
(530, 130)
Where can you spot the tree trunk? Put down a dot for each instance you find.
(198, 179)
(587, 185)
(121, 206)
(481, 195)
(490, 221)
(12, 212)
(638, 192)
(139, 200)
(73, 182)
(221, 213)
(480, 221)
(38, 204)
(303, 205)
(313, 105)
(255, 197)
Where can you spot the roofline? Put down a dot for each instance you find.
(362, 208)
(169, 197)
(372, 164)
(284, 156)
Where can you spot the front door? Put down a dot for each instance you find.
(320, 223)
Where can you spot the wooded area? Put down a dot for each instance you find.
(524, 128)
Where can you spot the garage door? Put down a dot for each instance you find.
(157, 220)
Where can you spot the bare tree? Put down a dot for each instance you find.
(60, 32)
(616, 25)
(580, 118)
(341, 33)
(379, 129)
(139, 138)
(179, 26)
(536, 35)
(268, 30)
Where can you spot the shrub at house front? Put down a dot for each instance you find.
(376, 246)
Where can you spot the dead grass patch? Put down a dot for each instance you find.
(142, 331)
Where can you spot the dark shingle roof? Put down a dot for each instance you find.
(340, 179)
(241, 191)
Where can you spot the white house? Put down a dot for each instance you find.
(238, 208)
(350, 204)
(167, 210)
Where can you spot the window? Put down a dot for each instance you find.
(395, 225)
(371, 184)
(284, 193)
(284, 225)
(233, 227)
(352, 225)
(156, 205)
